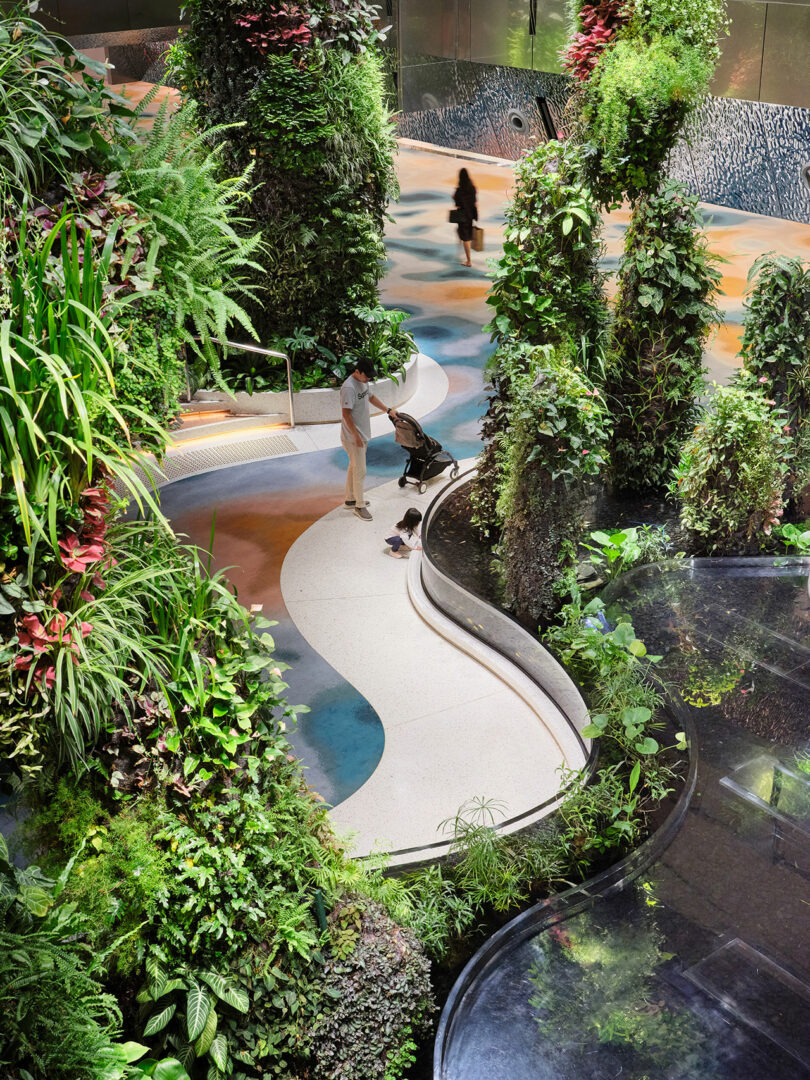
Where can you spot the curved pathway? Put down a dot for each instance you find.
(454, 729)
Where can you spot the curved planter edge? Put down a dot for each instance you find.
(316, 406)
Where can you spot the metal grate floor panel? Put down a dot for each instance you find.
(191, 462)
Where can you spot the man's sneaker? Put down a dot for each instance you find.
(362, 512)
(350, 504)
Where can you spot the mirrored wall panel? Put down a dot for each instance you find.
(499, 33)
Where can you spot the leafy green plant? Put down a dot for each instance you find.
(55, 1018)
(547, 287)
(56, 113)
(614, 553)
(730, 478)
(796, 538)
(664, 311)
(362, 1034)
(207, 248)
(56, 354)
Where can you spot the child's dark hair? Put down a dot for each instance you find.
(410, 519)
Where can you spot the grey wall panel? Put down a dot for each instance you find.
(551, 36)
(740, 67)
(499, 33)
(785, 77)
(428, 29)
(437, 86)
(788, 135)
(730, 156)
(93, 17)
(464, 38)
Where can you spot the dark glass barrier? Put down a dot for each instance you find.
(500, 631)
(691, 959)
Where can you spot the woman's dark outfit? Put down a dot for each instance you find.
(464, 198)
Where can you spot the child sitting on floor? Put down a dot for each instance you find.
(406, 535)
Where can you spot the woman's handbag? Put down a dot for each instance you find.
(477, 239)
(456, 216)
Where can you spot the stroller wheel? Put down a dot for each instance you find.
(402, 481)
(454, 472)
(422, 488)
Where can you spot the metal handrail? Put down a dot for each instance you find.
(264, 352)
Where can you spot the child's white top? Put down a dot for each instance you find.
(411, 540)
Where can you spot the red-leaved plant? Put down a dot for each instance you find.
(282, 29)
(600, 24)
(79, 552)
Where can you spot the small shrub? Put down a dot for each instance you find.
(730, 478)
(374, 999)
(664, 311)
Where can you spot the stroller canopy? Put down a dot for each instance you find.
(408, 433)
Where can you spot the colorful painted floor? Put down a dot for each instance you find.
(263, 508)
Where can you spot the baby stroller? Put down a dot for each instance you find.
(425, 455)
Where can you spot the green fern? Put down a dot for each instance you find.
(206, 248)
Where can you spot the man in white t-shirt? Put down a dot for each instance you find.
(355, 431)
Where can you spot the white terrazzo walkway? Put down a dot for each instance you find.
(453, 729)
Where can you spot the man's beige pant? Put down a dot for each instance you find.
(356, 473)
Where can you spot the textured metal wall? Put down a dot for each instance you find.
(765, 57)
(745, 147)
(743, 154)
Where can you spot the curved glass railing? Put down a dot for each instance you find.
(500, 631)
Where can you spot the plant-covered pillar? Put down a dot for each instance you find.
(553, 438)
(641, 67)
(302, 84)
(776, 358)
(547, 290)
(663, 314)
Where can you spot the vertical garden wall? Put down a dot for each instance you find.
(301, 84)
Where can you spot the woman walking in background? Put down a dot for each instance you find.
(464, 198)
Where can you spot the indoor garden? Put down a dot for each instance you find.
(176, 901)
